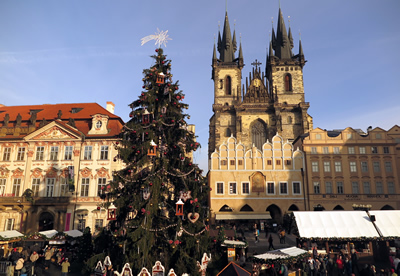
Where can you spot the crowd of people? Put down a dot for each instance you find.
(34, 260)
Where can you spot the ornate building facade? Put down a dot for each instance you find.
(54, 161)
(346, 167)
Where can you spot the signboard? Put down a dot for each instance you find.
(231, 254)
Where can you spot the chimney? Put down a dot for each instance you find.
(110, 107)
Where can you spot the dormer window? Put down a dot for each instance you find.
(99, 124)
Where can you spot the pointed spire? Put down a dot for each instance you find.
(214, 58)
(301, 54)
(291, 39)
(282, 48)
(219, 45)
(240, 54)
(234, 41)
(226, 49)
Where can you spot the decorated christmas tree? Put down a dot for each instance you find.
(158, 203)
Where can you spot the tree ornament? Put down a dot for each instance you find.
(112, 212)
(193, 217)
(179, 208)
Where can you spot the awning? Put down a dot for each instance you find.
(230, 216)
(49, 233)
(282, 253)
(334, 224)
(388, 222)
(10, 234)
(74, 233)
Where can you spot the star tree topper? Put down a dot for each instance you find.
(161, 37)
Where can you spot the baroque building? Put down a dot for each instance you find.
(346, 167)
(254, 170)
(54, 162)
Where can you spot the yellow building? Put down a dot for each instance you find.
(252, 184)
(346, 167)
(61, 154)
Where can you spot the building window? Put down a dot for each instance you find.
(258, 134)
(353, 166)
(240, 162)
(325, 150)
(82, 224)
(317, 187)
(278, 162)
(2, 186)
(54, 153)
(64, 186)
(9, 225)
(270, 188)
(386, 150)
(338, 166)
(50, 186)
(379, 187)
(377, 166)
(349, 135)
(388, 166)
(35, 186)
(364, 166)
(220, 188)
(328, 187)
(351, 150)
(228, 85)
(362, 150)
(227, 132)
(68, 153)
(232, 162)
(98, 223)
(318, 136)
(16, 186)
(339, 186)
(21, 154)
(354, 188)
(283, 188)
(85, 187)
(269, 162)
(374, 150)
(232, 188)
(288, 162)
(313, 150)
(288, 82)
(378, 136)
(314, 166)
(327, 166)
(101, 184)
(296, 188)
(391, 189)
(245, 188)
(87, 155)
(104, 153)
(367, 187)
(7, 154)
(336, 150)
(39, 153)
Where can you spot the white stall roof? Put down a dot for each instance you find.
(334, 224)
(281, 253)
(388, 222)
(74, 233)
(10, 234)
(49, 233)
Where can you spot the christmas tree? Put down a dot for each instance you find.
(160, 196)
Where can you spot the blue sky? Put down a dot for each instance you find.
(89, 51)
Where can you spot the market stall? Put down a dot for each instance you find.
(7, 238)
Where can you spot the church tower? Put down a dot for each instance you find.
(265, 104)
(285, 77)
(227, 75)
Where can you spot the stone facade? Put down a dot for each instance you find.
(64, 160)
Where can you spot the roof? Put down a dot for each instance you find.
(334, 224)
(81, 113)
(387, 222)
(74, 233)
(49, 233)
(282, 253)
(233, 269)
(10, 234)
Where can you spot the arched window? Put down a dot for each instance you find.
(228, 132)
(288, 82)
(258, 134)
(228, 85)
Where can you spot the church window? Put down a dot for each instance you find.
(288, 82)
(258, 134)
(228, 132)
(228, 85)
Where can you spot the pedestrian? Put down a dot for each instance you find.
(256, 233)
(47, 257)
(65, 267)
(271, 242)
(34, 257)
(19, 266)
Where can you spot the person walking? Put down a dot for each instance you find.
(34, 257)
(271, 242)
(65, 267)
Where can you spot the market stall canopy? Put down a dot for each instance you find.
(234, 244)
(74, 233)
(233, 269)
(49, 233)
(11, 234)
(282, 253)
(387, 222)
(334, 224)
(230, 216)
